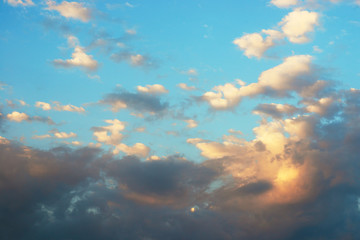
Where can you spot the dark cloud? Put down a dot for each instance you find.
(139, 102)
(86, 194)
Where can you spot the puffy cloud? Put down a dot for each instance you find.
(111, 134)
(16, 3)
(18, 117)
(284, 3)
(225, 97)
(155, 89)
(255, 45)
(45, 106)
(79, 57)
(73, 10)
(297, 24)
(295, 74)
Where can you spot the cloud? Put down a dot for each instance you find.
(191, 123)
(185, 87)
(79, 58)
(43, 105)
(155, 89)
(284, 3)
(287, 177)
(275, 110)
(297, 24)
(58, 107)
(134, 59)
(140, 102)
(255, 45)
(111, 135)
(16, 3)
(73, 10)
(20, 117)
(295, 74)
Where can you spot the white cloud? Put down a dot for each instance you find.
(58, 107)
(278, 81)
(155, 89)
(4, 140)
(45, 106)
(78, 59)
(73, 10)
(64, 135)
(297, 24)
(111, 134)
(18, 117)
(16, 3)
(255, 45)
(184, 86)
(284, 3)
(138, 149)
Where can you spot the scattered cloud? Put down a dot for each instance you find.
(58, 107)
(284, 3)
(20, 117)
(79, 58)
(298, 24)
(73, 10)
(155, 89)
(255, 45)
(23, 3)
(185, 87)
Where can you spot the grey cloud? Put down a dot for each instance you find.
(86, 194)
(136, 101)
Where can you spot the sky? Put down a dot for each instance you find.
(179, 119)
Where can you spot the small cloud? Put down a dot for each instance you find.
(73, 10)
(185, 87)
(284, 3)
(43, 105)
(79, 58)
(191, 123)
(131, 31)
(23, 3)
(155, 89)
(20, 117)
(317, 49)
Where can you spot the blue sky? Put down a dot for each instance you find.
(260, 92)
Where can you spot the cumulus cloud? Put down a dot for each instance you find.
(79, 58)
(111, 135)
(287, 177)
(296, 27)
(73, 10)
(255, 45)
(20, 117)
(298, 24)
(155, 89)
(16, 3)
(295, 74)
